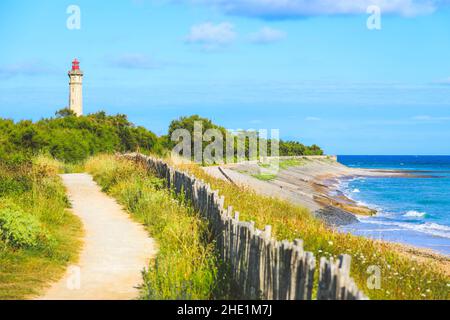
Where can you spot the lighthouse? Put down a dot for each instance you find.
(76, 88)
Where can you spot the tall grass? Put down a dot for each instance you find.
(401, 277)
(186, 266)
(35, 192)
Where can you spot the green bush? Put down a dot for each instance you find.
(286, 148)
(38, 237)
(73, 139)
(9, 185)
(18, 228)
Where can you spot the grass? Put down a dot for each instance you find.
(268, 168)
(287, 163)
(401, 278)
(284, 163)
(37, 191)
(186, 266)
(264, 176)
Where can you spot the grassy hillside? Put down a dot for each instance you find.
(39, 237)
(401, 278)
(186, 266)
(140, 192)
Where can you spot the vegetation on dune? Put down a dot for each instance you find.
(19, 229)
(186, 266)
(264, 176)
(272, 167)
(295, 148)
(73, 139)
(286, 148)
(39, 237)
(401, 278)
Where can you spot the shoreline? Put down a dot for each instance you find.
(315, 185)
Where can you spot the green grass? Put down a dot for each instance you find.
(283, 163)
(271, 167)
(186, 266)
(401, 277)
(264, 176)
(287, 163)
(27, 268)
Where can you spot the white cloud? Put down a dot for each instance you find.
(134, 61)
(312, 119)
(430, 118)
(443, 81)
(211, 35)
(288, 9)
(25, 68)
(267, 35)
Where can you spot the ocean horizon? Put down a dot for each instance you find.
(410, 210)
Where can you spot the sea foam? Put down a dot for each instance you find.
(414, 213)
(430, 228)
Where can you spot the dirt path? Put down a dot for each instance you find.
(115, 251)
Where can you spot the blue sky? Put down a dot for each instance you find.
(309, 68)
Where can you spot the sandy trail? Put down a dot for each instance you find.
(116, 249)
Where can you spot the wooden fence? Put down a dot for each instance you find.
(261, 266)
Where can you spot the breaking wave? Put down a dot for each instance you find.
(415, 214)
(430, 228)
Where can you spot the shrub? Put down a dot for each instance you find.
(46, 165)
(73, 139)
(18, 228)
(14, 178)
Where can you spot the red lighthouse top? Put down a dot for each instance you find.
(75, 65)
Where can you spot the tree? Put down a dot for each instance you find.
(73, 139)
(66, 112)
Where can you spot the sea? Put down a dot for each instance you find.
(411, 210)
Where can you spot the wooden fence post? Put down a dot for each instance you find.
(261, 266)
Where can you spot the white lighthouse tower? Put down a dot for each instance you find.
(76, 88)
